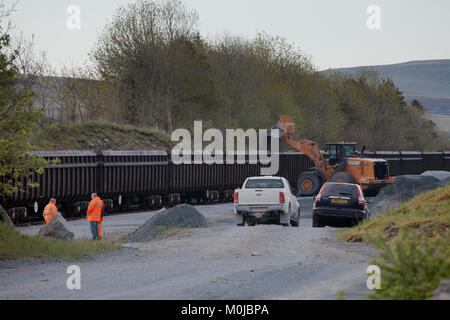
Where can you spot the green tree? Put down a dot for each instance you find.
(17, 117)
(152, 52)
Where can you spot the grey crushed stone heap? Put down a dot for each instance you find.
(441, 175)
(181, 216)
(407, 187)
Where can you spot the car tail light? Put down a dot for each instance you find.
(360, 197)
(281, 197)
(319, 196)
(236, 197)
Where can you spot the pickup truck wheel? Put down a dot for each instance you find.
(296, 222)
(251, 221)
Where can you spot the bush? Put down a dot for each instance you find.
(412, 266)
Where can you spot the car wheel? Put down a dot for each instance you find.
(316, 224)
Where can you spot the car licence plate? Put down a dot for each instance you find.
(340, 201)
(259, 209)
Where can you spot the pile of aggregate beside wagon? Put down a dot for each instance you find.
(407, 187)
(182, 216)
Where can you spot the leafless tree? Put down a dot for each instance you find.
(146, 51)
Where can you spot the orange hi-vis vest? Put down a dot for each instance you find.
(49, 212)
(94, 212)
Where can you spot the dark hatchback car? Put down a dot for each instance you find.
(339, 205)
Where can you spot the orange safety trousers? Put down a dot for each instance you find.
(100, 227)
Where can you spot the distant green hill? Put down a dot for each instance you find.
(427, 81)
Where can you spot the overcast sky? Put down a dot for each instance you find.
(334, 33)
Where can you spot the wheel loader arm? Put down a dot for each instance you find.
(287, 126)
(311, 149)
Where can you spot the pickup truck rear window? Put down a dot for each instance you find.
(264, 184)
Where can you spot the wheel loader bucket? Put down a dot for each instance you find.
(285, 125)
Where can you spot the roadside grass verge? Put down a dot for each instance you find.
(14, 245)
(414, 245)
(428, 215)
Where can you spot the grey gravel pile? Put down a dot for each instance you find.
(181, 216)
(407, 187)
(441, 175)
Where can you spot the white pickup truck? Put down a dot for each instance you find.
(263, 199)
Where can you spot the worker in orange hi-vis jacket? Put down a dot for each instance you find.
(50, 210)
(95, 214)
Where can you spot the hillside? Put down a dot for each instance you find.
(427, 81)
(97, 135)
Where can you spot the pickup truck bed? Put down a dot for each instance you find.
(263, 199)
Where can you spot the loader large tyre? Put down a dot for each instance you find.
(308, 184)
(343, 177)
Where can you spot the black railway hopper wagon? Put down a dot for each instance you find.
(131, 180)
(120, 178)
(136, 180)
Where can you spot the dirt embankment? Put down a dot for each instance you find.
(427, 214)
(98, 135)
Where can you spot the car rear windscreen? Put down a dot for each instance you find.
(340, 190)
(264, 184)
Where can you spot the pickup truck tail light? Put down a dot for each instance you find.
(236, 197)
(281, 197)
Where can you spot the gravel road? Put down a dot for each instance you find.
(222, 261)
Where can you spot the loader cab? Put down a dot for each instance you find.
(339, 150)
